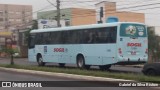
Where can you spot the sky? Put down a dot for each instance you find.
(151, 8)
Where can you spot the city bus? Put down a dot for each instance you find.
(100, 45)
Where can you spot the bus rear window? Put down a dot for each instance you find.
(133, 30)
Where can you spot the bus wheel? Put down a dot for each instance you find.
(87, 67)
(40, 61)
(80, 62)
(151, 72)
(61, 64)
(104, 67)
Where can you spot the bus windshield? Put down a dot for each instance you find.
(133, 30)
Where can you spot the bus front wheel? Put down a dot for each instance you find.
(104, 67)
(40, 61)
(81, 63)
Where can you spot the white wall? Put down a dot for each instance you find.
(157, 30)
(42, 23)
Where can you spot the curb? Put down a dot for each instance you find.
(73, 76)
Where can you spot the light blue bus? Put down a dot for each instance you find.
(98, 44)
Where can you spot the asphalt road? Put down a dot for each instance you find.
(13, 76)
(114, 68)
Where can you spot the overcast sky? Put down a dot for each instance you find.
(152, 15)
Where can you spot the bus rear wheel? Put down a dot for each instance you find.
(40, 61)
(61, 64)
(104, 67)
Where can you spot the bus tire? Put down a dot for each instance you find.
(104, 67)
(61, 64)
(151, 72)
(40, 61)
(80, 62)
(87, 67)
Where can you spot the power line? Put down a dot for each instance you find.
(90, 14)
(51, 3)
(136, 7)
(140, 6)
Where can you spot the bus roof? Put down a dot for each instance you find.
(80, 27)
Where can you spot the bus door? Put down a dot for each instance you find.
(31, 46)
(133, 43)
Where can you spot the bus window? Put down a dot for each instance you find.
(39, 38)
(113, 35)
(73, 37)
(58, 37)
(46, 38)
(133, 30)
(106, 35)
(32, 41)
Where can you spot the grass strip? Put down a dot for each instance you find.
(98, 73)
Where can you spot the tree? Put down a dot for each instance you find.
(34, 24)
(10, 51)
(153, 45)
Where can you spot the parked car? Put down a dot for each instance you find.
(151, 69)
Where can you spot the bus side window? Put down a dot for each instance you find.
(113, 35)
(85, 36)
(57, 37)
(46, 39)
(66, 37)
(90, 37)
(79, 37)
(31, 41)
(39, 38)
(100, 37)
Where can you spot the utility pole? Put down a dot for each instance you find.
(58, 13)
(101, 14)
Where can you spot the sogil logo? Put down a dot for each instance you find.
(134, 44)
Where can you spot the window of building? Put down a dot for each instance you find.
(6, 19)
(11, 12)
(27, 20)
(1, 13)
(28, 13)
(1, 27)
(18, 20)
(11, 20)
(18, 13)
(67, 22)
(1, 19)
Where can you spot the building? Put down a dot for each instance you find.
(71, 16)
(81, 16)
(109, 10)
(13, 19)
(13, 16)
